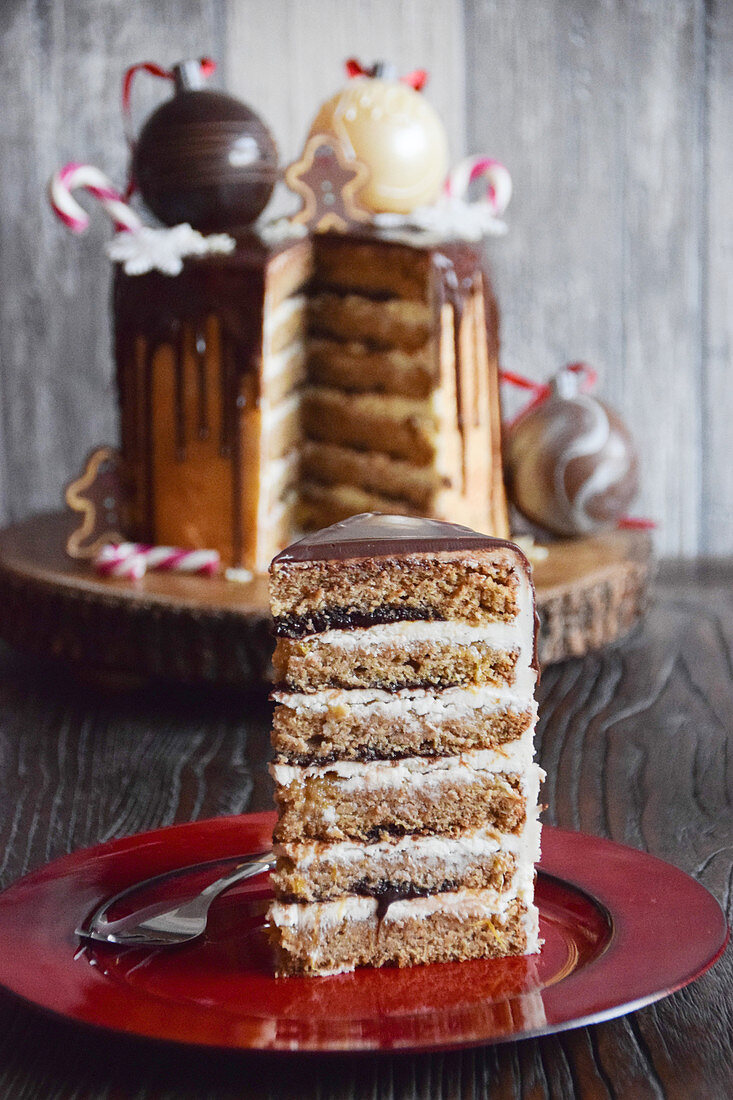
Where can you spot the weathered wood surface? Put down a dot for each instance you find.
(717, 468)
(636, 744)
(598, 108)
(614, 118)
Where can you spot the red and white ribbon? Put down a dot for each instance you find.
(73, 177)
(114, 558)
(498, 182)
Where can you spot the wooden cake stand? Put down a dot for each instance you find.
(196, 629)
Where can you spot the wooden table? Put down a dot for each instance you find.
(637, 745)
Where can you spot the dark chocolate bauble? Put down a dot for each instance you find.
(571, 463)
(207, 159)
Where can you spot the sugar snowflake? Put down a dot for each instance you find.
(164, 250)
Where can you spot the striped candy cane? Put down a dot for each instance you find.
(165, 559)
(498, 182)
(74, 176)
(168, 559)
(112, 561)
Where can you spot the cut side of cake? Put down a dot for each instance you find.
(403, 732)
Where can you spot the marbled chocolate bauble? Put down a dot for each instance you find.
(205, 158)
(571, 464)
(391, 128)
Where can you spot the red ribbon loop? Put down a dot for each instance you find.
(354, 68)
(589, 375)
(540, 391)
(636, 523)
(417, 79)
(142, 66)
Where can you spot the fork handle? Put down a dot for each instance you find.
(241, 872)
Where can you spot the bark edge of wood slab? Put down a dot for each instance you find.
(590, 592)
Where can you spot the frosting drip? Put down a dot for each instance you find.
(153, 311)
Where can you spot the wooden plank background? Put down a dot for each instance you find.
(614, 117)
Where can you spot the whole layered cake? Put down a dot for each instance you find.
(281, 387)
(278, 376)
(403, 735)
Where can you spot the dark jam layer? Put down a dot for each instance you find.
(386, 892)
(316, 622)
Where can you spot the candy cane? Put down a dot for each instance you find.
(112, 558)
(111, 562)
(86, 176)
(168, 559)
(498, 182)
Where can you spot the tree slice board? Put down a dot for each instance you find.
(197, 629)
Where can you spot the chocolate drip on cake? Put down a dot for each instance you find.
(203, 418)
(156, 312)
(458, 271)
(179, 336)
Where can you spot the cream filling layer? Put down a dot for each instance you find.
(451, 855)
(271, 417)
(462, 905)
(418, 702)
(275, 363)
(282, 313)
(517, 634)
(278, 475)
(416, 771)
(502, 635)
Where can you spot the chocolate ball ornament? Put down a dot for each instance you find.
(204, 158)
(571, 464)
(388, 126)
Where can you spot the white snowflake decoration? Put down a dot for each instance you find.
(283, 229)
(448, 217)
(164, 250)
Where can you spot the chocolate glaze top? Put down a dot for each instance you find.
(375, 534)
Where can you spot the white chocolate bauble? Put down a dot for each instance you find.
(398, 135)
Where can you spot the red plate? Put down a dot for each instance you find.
(621, 929)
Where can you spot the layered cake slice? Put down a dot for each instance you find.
(403, 735)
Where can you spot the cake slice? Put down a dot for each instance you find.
(403, 735)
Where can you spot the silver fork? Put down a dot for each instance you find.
(153, 926)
